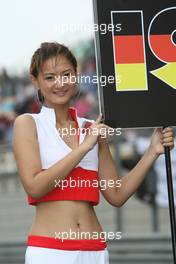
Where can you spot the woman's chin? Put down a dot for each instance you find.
(61, 100)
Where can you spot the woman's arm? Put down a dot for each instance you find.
(38, 183)
(116, 195)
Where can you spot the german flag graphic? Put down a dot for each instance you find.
(129, 51)
(163, 44)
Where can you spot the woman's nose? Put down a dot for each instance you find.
(58, 81)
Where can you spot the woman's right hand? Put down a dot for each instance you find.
(94, 131)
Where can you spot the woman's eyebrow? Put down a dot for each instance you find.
(49, 73)
(53, 73)
(67, 70)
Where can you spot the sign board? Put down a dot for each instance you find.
(136, 53)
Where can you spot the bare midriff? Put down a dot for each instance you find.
(55, 217)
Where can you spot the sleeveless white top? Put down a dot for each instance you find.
(51, 145)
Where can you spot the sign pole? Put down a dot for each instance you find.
(171, 200)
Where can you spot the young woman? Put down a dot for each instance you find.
(66, 228)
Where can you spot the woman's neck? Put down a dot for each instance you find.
(61, 112)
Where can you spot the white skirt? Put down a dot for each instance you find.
(40, 255)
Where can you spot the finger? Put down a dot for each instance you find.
(169, 139)
(102, 129)
(167, 134)
(157, 129)
(103, 126)
(167, 129)
(170, 144)
(99, 119)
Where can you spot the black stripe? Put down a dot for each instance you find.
(165, 23)
(131, 23)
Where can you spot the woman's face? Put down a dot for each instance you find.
(57, 80)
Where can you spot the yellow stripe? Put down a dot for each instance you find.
(131, 77)
(167, 74)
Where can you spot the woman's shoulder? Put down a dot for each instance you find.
(25, 122)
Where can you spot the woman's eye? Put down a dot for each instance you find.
(49, 78)
(68, 74)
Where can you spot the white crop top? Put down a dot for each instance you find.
(52, 147)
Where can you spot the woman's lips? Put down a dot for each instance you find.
(60, 93)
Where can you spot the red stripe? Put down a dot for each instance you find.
(129, 49)
(66, 244)
(73, 113)
(163, 47)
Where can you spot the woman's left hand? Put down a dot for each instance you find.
(162, 138)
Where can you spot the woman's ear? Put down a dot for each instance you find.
(34, 80)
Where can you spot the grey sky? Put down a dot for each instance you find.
(24, 24)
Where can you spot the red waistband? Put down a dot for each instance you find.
(66, 244)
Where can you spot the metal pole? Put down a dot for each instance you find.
(171, 200)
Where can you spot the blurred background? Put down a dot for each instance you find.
(144, 219)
